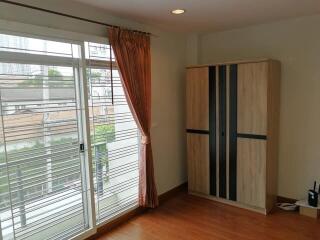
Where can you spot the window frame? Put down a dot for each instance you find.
(47, 33)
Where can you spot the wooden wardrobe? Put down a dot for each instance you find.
(232, 132)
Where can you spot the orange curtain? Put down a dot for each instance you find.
(132, 52)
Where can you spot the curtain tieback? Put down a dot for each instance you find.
(145, 140)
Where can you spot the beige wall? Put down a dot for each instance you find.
(168, 62)
(192, 54)
(296, 43)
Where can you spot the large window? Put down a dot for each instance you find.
(68, 142)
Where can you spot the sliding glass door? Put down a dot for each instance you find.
(41, 178)
(68, 141)
(114, 135)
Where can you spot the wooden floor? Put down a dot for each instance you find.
(190, 217)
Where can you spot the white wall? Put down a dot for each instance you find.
(168, 62)
(296, 43)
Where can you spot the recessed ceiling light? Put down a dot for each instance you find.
(178, 11)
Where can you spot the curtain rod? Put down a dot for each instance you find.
(67, 15)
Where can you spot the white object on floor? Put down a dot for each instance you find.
(304, 203)
(287, 206)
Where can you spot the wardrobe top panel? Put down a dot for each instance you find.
(233, 62)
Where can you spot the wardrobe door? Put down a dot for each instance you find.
(198, 162)
(252, 92)
(252, 98)
(197, 97)
(251, 172)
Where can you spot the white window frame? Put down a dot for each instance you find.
(47, 33)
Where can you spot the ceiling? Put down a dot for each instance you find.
(207, 15)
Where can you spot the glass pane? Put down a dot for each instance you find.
(114, 138)
(98, 51)
(20, 44)
(6, 223)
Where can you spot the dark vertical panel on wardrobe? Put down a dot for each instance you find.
(233, 133)
(212, 129)
(222, 131)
